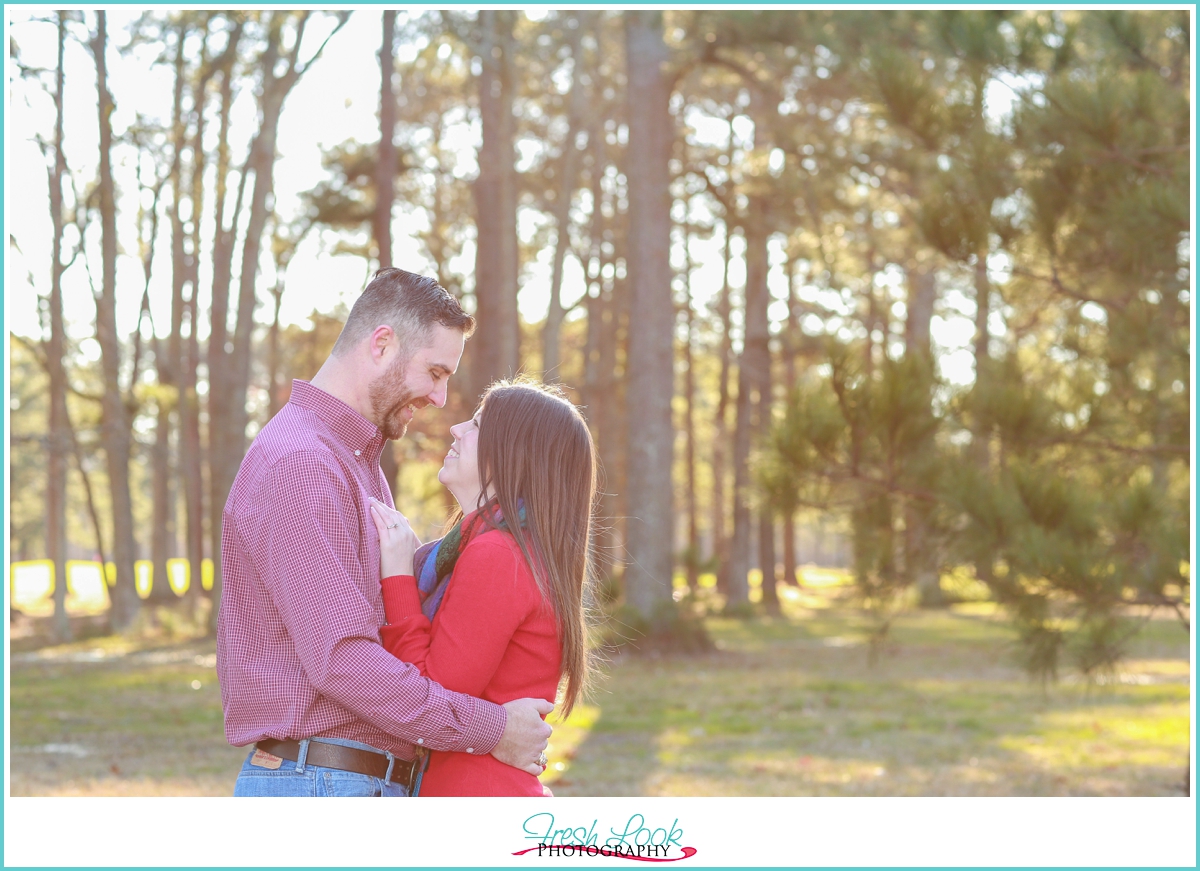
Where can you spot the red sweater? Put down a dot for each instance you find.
(493, 637)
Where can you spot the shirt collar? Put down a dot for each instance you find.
(347, 425)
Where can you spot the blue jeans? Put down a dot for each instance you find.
(299, 779)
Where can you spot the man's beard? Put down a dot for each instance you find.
(389, 397)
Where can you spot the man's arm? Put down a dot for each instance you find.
(304, 542)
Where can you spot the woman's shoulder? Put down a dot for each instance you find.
(499, 551)
(497, 543)
(492, 564)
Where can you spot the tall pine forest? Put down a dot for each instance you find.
(904, 293)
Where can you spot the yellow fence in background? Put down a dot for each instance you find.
(31, 583)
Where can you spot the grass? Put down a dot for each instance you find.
(789, 706)
(136, 714)
(785, 706)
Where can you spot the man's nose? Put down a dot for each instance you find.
(438, 395)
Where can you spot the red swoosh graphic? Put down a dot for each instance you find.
(688, 852)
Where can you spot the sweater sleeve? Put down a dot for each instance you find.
(486, 601)
(406, 633)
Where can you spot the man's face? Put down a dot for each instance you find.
(413, 383)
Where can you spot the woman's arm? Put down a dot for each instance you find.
(406, 633)
(487, 599)
(397, 545)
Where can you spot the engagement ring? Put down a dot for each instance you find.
(542, 760)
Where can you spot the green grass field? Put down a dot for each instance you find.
(785, 706)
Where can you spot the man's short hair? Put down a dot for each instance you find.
(408, 303)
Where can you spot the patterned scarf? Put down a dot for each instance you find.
(434, 561)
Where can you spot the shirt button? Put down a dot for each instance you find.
(358, 453)
(420, 740)
(470, 749)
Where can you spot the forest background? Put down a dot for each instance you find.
(904, 293)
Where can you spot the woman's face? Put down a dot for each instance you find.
(460, 469)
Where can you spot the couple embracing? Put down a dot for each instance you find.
(357, 661)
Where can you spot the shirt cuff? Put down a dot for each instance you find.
(485, 730)
(400, 597)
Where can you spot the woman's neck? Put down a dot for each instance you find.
(468, 500)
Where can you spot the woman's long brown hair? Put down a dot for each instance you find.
(535, 447)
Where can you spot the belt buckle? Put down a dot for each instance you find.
(391, 766)
(420, 758)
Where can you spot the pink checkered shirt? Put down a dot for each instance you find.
(298, 651)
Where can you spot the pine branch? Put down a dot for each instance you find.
(343, 17)
(1116, 447)
(1055, 281)
(35, 347)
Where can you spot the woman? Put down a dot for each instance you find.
(499, 610)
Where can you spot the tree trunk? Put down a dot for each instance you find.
(165, 364)
(721, 542)
(871, 321)
(219, 316)
(191, 453)
(229, 362)
(982, 310)
(753, 397)
(651, 346)
(739, 546)
(169, 362)
(179, 264)
(757, 354)
(59, 434)
(791, 349)
(757, 347)
(921, 561)
(766, 559)
(274, 361)
(385, 166)
(162, 532)
(595, 278)
(600, 361)
(191, 448)
(562, 205)
(385, 173)
(617, 442)
(93, 513)
(980, 449)
(689, 427)
(922, 294)
(791, 572)
(229, 367)
(495, 349)
(191, 459)
(116, 429)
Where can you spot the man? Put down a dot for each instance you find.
(302, 674)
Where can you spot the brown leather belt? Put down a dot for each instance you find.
(342, 758)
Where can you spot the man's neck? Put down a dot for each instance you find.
(336, 378)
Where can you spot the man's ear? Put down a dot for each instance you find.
(381, 344)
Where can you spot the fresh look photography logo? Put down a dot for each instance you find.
(635, 839)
